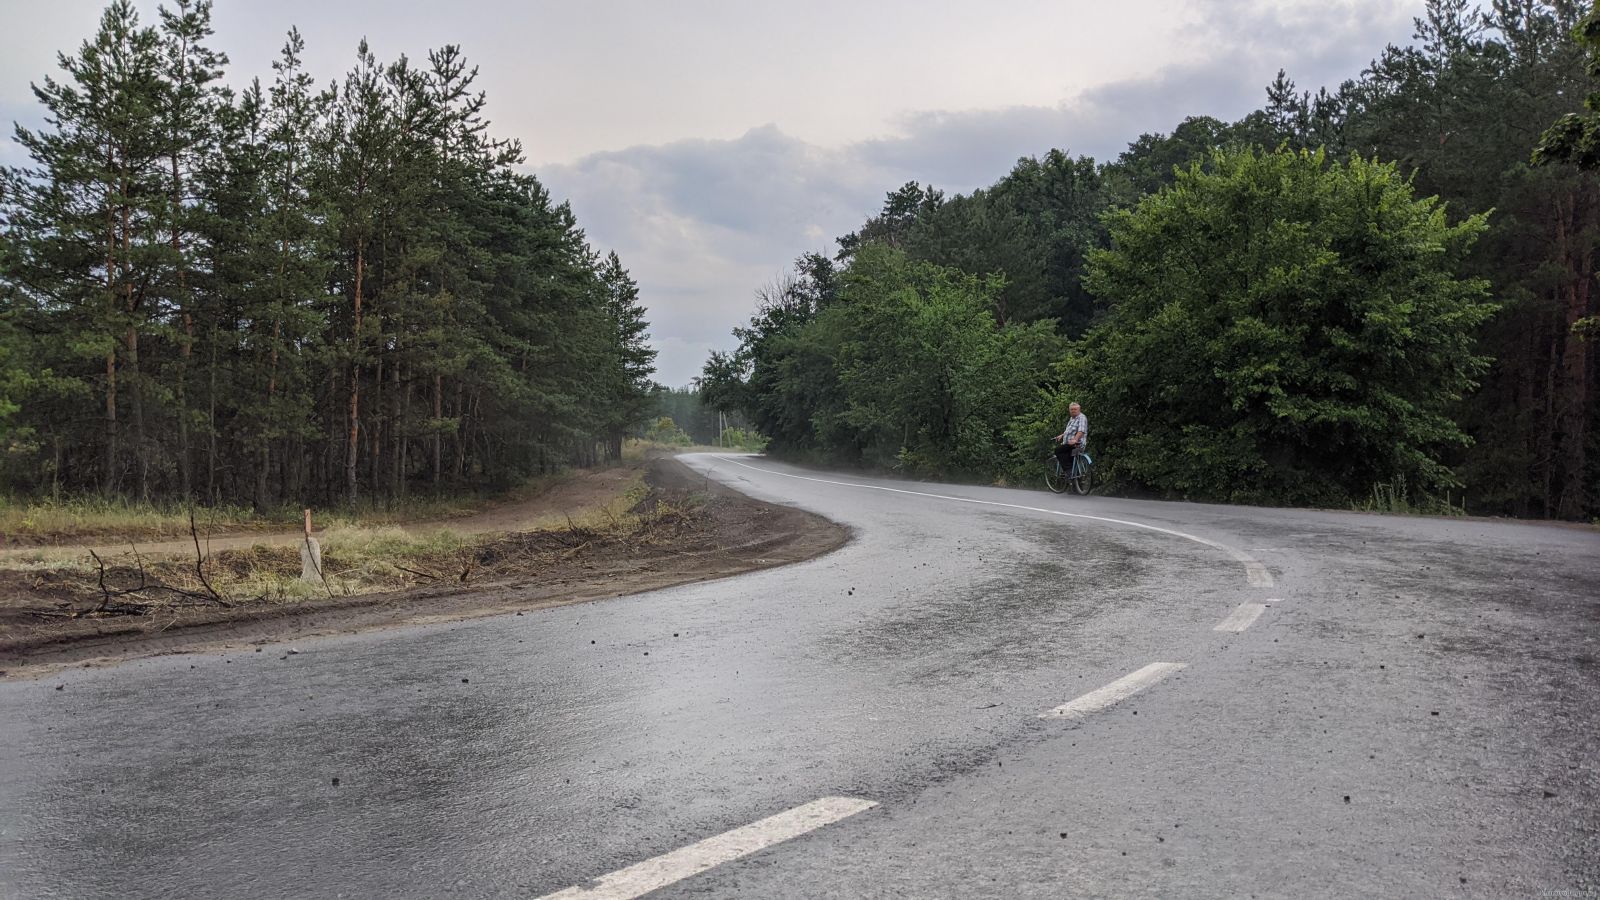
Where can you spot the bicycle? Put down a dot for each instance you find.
(1058, 478)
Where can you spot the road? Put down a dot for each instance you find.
(987, 693)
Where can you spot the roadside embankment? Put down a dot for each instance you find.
(670, 528)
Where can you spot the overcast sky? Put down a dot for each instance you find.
(710, 143)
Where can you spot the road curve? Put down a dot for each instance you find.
(988, 692)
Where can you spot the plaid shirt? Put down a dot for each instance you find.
(1077, 425)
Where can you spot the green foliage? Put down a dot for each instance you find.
(743, 439)
(1284, 329)
(900, 364)
(1460, 110)
(666, 431)
(1455, 111)
(1575, 137)
(1034, 227)
(705, 423)
(286, 294)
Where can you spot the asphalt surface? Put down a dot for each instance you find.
(1414, 712)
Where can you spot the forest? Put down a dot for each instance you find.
(289, 292)
(1383, 290)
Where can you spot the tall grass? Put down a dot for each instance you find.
(64, 520)
(72, 517)
(1393, 498)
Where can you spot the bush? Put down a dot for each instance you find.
(666, 431)
(1281, 329)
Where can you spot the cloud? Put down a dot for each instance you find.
(702, 223)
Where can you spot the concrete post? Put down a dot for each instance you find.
(310, 556)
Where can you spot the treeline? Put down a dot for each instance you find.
(1369, 286)
(292, 292)
(690, 413)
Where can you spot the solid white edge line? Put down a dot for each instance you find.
(1255, 572)
(1243, 616)
(1115, 692)
(669, 868)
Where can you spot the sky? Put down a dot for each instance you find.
(710, 142)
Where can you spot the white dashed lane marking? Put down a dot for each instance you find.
(1243, 616)
(652, 874)
(1115, 692)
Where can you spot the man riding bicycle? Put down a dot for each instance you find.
(1073, 439)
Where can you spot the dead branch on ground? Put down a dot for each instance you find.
(427, 575)
(199, 563)
(113, 602)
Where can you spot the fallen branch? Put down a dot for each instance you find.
(426, 575)
(106, 604)
(199, 563)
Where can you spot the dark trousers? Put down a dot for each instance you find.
(1065, 453)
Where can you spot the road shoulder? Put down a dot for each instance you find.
(710, 531)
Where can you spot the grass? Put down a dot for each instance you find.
(1391, 497)
(637, 448)
(91, 516)
(358, 557)
(72, 519)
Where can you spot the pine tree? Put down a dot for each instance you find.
(191, 100)
(87, 217)
(634, 362)
(314, 294)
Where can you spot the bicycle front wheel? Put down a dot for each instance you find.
(1055, 478)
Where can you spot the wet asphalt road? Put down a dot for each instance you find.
(1415, 713)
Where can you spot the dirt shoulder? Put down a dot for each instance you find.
(688, 528)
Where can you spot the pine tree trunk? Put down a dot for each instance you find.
(55, 468)
(141, 452)
(185, 478)
(396, 429)
(1573, 408)
(264, 461)
(185, 456)
(461, 433)
(1547, 451)
(1525, 400)
(438, 436)
(211, 422)
(108, 478)
(141, 456)
(352, 491)
(108, 482)
(381, 425)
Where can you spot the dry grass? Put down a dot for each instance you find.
(79, 519)
(357, 559)
(88, 517)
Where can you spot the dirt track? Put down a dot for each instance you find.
(712, 533)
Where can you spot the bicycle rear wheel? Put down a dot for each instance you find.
(1080, 476)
